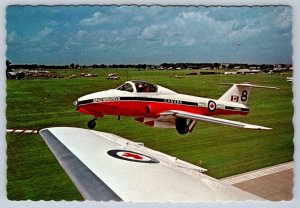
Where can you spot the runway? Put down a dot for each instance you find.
(273, 183)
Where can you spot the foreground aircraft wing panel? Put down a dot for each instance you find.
(198, 117)
(88, 184)
(106, 167)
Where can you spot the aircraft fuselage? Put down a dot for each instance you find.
(116, 102)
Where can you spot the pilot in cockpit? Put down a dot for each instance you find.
(140, 87)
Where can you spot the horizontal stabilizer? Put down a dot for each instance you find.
(250, 85)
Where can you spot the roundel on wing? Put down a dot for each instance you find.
(211, 106)
(131, 156)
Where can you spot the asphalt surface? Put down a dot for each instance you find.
(273, 183)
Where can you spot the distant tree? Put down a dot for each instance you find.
(264, 67)
(271, 66)
(72, 65)
(8, 66)
(77, 66)
(167, 65)
(231, 66)
(141, 66)
(216, 65)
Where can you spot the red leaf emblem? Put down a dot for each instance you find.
(132, 155)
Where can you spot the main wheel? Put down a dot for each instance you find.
(181, 125)
(91, 124)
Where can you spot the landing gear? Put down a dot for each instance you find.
(182, 127)
(92, 123)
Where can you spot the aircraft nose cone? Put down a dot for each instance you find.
(75, 103)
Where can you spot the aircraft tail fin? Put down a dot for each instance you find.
(240, 92)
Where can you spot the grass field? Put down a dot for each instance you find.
(33, 172)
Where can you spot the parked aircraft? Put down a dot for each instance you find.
(289, 79)
(157, 106)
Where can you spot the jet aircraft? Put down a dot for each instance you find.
(157, 106)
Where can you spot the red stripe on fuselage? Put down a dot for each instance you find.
(147, 109)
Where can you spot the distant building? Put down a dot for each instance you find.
(160, 68)
(236, 68)
(248, 71)
(11, 75)
(15, 75)
(230, 72)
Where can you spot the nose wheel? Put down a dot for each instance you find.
(92, 123)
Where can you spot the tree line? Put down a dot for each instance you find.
(10, 66)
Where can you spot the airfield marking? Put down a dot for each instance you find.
(24, 131)
(258, 173)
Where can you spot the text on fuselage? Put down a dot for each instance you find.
(95, 100)
(173, 101)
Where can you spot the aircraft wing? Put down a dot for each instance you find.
(198, 117)
(107, 167)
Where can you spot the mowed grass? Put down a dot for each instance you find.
(33, 172)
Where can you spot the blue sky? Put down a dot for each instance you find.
(62, 35)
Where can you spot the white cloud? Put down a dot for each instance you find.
(89, 40)
(130, 31)
(193, 27)
(284, 19)
(185, 18)
(75, 39)
(114, 32)
(70, 42)
(119, 39)
(96, 19)
(81, 34)
(246, 32)
(42, 34)
(51, 23)
(96, 46)
(189, 42)
(198, 23)
(286, 35)
(38, 49)
(169, 43)
(138, 18)
(199, 27)
(12, 37)
(153, 32)
(238, 26)
(66, 24)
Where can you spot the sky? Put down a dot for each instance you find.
(85, 35)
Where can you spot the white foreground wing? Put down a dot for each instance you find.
(107, 167)
(198, 117)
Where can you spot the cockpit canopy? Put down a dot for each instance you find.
(138, 86)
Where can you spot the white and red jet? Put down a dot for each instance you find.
(157, 106)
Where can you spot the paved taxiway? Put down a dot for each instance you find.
(272, 183)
